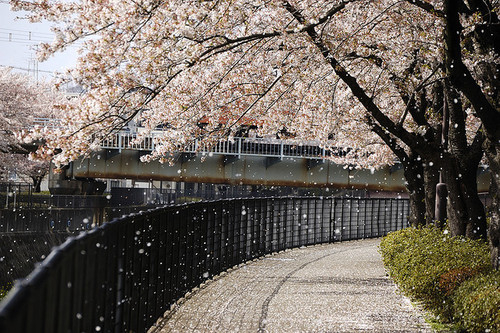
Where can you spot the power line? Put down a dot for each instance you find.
(27, 40)
(10, 36)
(16, 42)
(16, 35)
(28, 32)
(32, 42)
(28, 69)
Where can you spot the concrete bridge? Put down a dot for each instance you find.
(242, 161)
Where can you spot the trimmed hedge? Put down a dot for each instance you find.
(477, 303)
(434, 269)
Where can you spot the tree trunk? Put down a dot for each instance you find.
(493, 154)
(466, 215)
(414, 175)
(37, 183)
(415, 185)
(431, 178)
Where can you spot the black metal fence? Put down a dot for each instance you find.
(10, 187)
(26, 211)
(122, 276)
(21, 210)
(194, 192)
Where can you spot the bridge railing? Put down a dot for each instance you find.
(122, 276)
(127, 139)
(46, 122)
(236, 146)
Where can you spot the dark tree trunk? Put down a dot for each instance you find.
(493, 153)
(417, 209)
(37, 183)
(421, 178)
(485, 105)
(431, 178)
(466, 215)
(416, 190)
(414, 176)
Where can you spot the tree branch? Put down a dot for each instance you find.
(389, 140)
(427, 7)
(460, 75)
(408, 138)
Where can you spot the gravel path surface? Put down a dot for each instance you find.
(339, 287)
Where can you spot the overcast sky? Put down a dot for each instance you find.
(18, 40)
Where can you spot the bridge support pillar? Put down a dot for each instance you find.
(60, 183)
(310, 164)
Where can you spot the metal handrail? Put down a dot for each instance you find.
(46, 122)
(236, 146)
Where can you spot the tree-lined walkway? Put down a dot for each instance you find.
(339, 287)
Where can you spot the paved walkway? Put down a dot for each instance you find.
(339, 287)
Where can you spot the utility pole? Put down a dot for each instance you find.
(441, 189)
(34, 60)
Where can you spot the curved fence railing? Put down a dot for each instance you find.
(122, 276)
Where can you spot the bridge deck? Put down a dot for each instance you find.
(340, 287)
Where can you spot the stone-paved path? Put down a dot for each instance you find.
(339, 287)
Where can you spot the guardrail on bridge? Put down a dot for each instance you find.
(122, 276)
(235, 147)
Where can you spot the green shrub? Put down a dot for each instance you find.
(4, 290)
(451, 280)
(477, 303)
(188, 199)
(427, 265)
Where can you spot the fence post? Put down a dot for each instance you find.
(119, 294)
(342, 222)
(239, 147)
(119, 142)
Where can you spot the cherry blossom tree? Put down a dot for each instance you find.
(470, 59)
(21, 101)
(368, 75)
(26, 169)
(473, 27)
